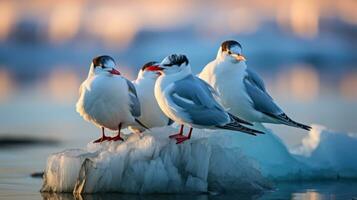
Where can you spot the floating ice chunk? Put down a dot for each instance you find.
(271, 156)
(309, 143)
(333, 153)
(62, 170)
(155, 164)
(212, 161)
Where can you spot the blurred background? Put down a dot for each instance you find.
(305, 50)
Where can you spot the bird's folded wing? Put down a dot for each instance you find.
(255, 78)
(262, 101)
(211, 90)
(207, 86)
(134, 100)
(194, 101)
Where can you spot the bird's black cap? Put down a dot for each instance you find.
(177, 59)
(102, 60)
(226, 45)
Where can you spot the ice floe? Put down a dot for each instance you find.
(212, 161)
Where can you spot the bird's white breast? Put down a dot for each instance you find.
(162, 88)
(104, 101)
(227, 79)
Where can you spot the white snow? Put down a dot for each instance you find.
(212, 161)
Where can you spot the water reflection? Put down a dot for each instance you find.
(62, 85)
(294, 191)
(301, 82)
(110, 196)
(348, 86)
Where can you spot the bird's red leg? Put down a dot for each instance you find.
(179, 134)
(117, 137)
(189, 133)
(103, 138)
(184, 138)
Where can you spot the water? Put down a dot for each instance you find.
(18, 163)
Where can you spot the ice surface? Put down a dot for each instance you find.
(155, 164)
(212, 161)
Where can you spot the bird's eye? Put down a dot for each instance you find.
(101, 66)
(229, 52)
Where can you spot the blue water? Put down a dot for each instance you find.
(18, 162)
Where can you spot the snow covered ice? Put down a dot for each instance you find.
(212, 161)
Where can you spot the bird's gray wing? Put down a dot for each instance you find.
(134, 100)
(214, 93)
(194, 100)
(217, 97)
(206, 86)
(255, 78)
(262, 101)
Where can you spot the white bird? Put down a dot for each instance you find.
(151, 114)
(107, 99)
(242, 91)
(190, 101)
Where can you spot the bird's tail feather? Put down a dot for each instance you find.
(298, 125)
(235, 118)
(286, 120)
(235, 126)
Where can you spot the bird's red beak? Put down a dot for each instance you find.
(114, 71)
(153, 68)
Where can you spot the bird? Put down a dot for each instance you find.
(151, 114)
(242, 91)
(107, 99)
(190, 101)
